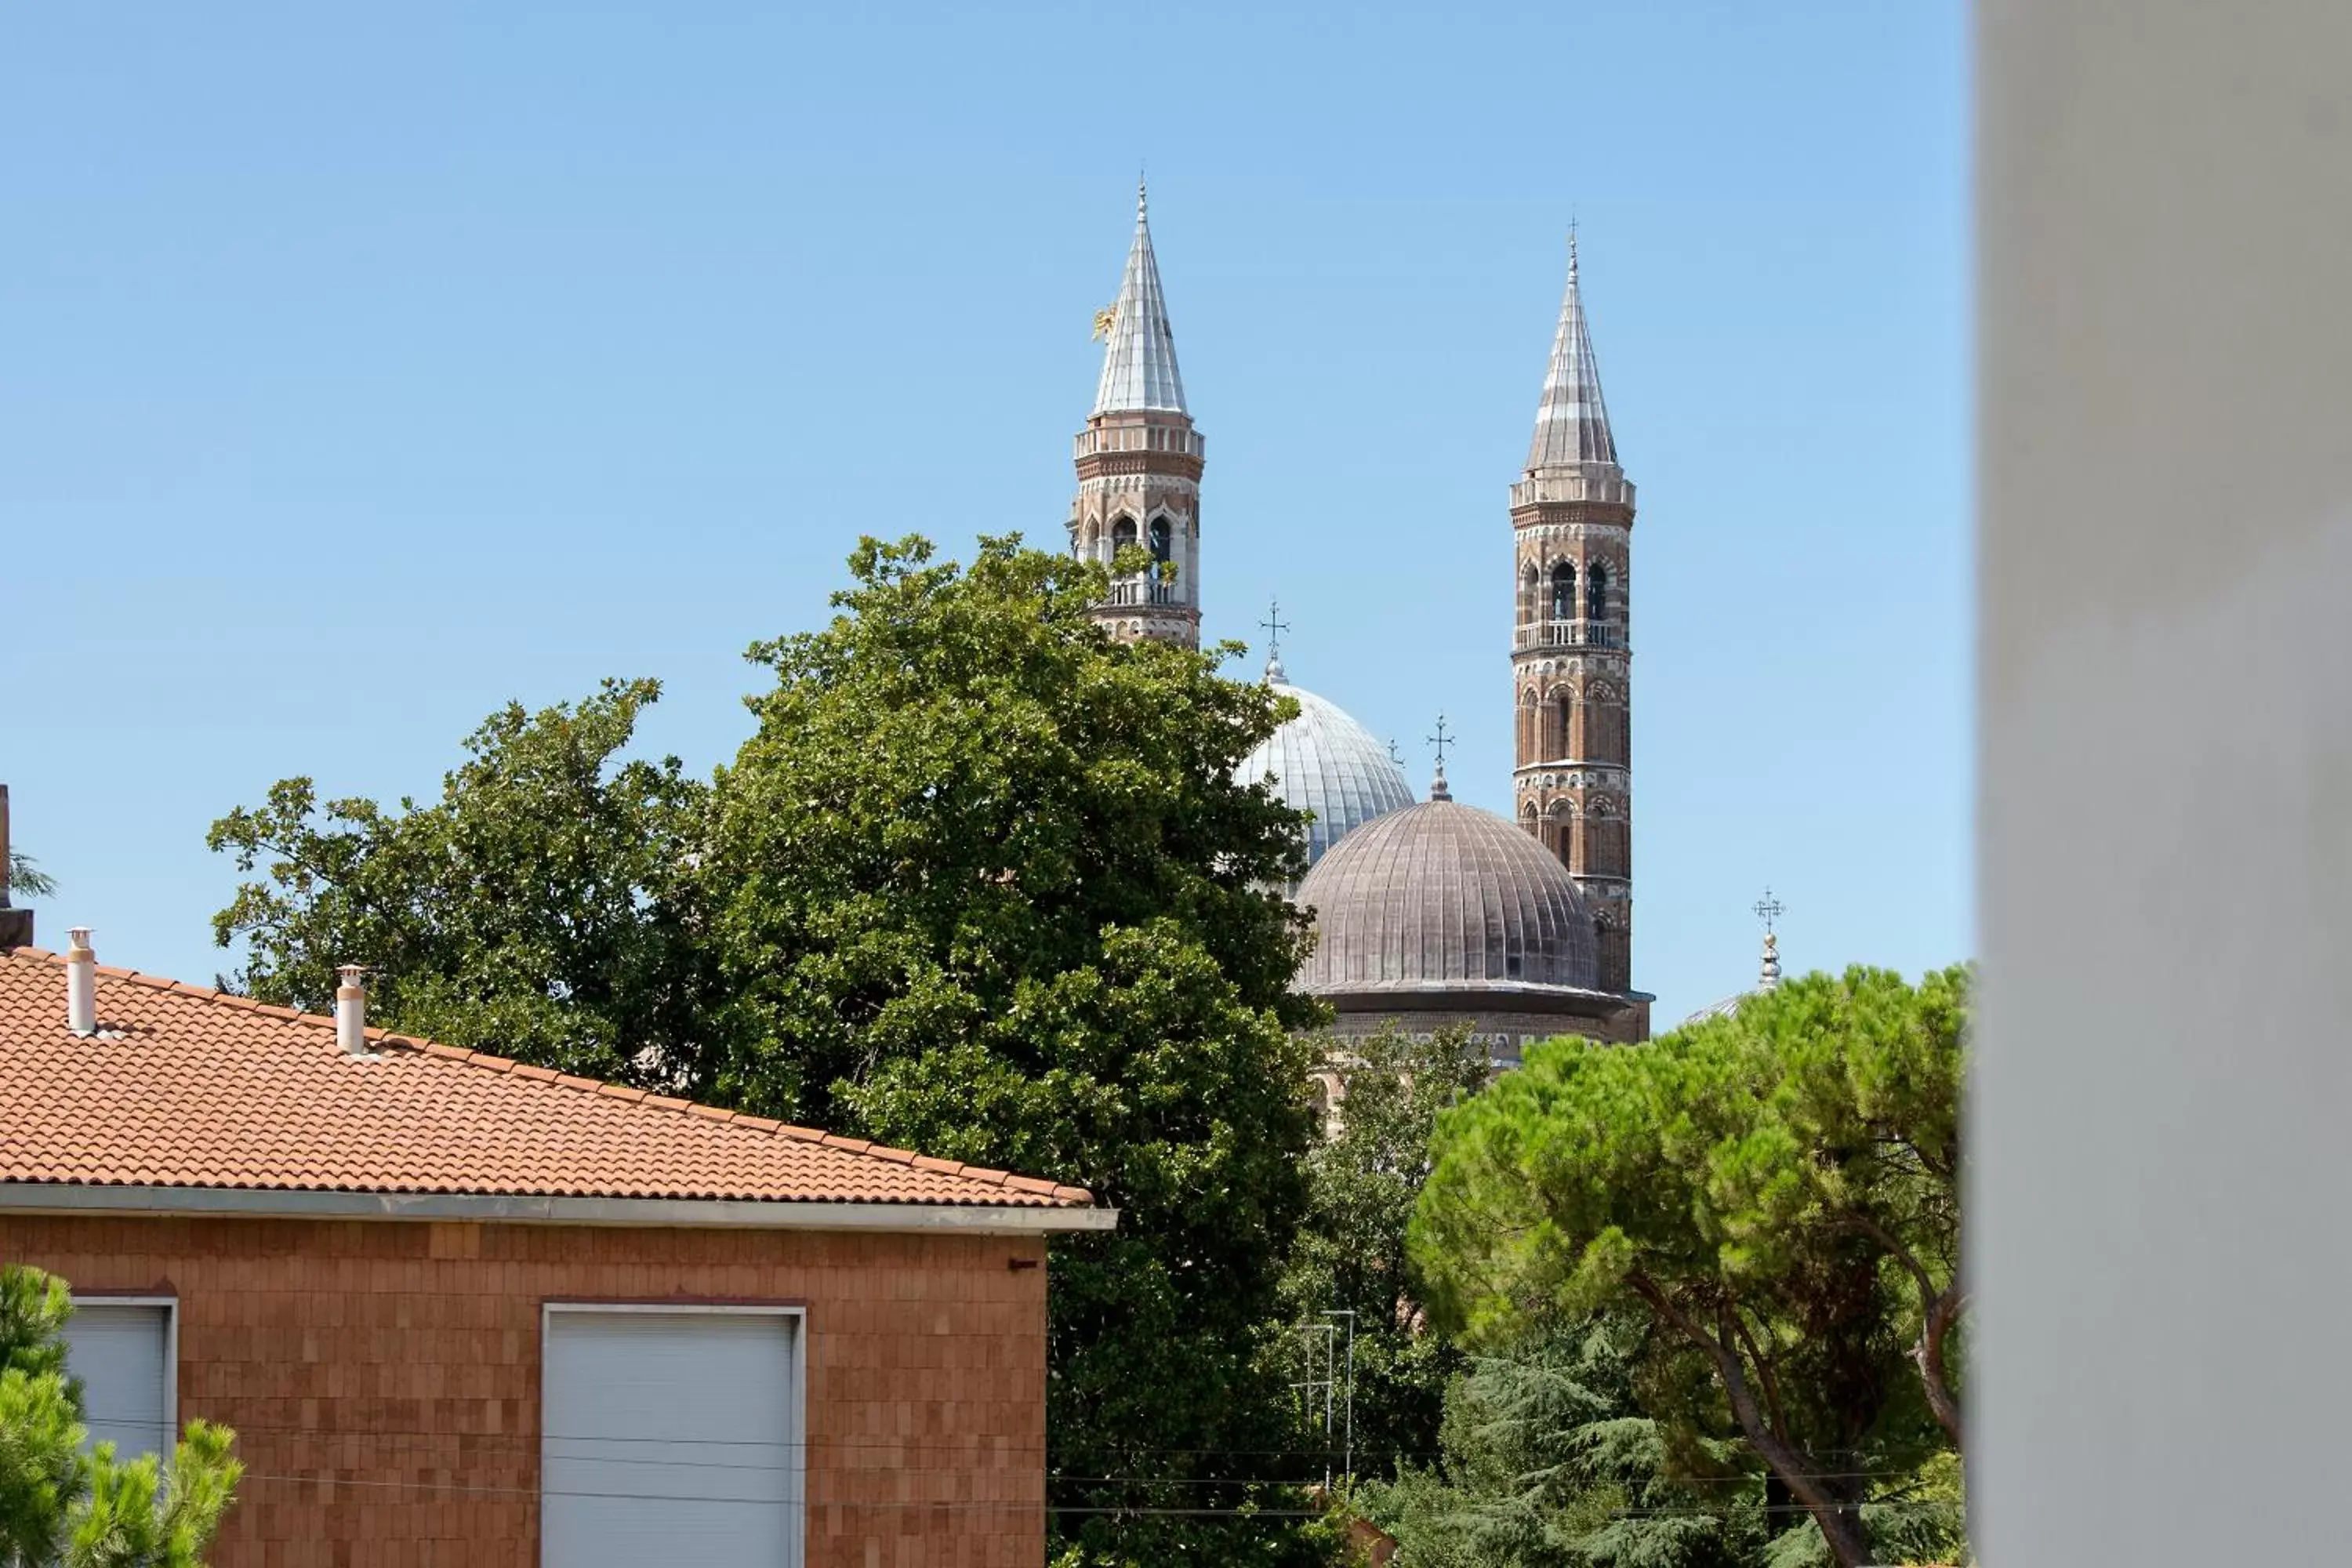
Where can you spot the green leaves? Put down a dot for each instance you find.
(60, 1506)
(546, 907)
(1778, 1190)
(1350, 1253)
(981, 883)
(26, 876)
(985, 887)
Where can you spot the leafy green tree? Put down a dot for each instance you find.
(1350, 1254)
(26, 876)
(61, 1507)
(992, 892)
(546, 907)
(1548, 1460)
(981, 883)
(1777, 1191)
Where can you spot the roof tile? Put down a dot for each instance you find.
(187, 1087)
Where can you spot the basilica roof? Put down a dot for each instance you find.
(1441, 897)
(1325, 763)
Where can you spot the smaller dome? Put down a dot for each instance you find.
(1767, 979)
(1325, 763)
(1444, 896)
(1723, 1009)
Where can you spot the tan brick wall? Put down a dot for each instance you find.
(383, 1376)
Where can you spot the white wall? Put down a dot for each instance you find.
(2164, 1103)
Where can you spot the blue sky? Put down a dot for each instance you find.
(362, 369)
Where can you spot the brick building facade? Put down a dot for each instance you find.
(364, 1253)
(382, 1376)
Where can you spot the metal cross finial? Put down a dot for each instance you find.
(1770, 909)
(1440, 741)
(1394, 756)
(1275, 626)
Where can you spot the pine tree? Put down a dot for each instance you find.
(63, 1508)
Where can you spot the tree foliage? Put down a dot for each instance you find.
(1777, 1191)
(992, 892)
(546, 907)
(60, 1506)
(1350, 1254)
(26, 876)
(1549, 1459)
(981, 883)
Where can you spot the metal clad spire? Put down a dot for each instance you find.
(1139, 364)
(1572, 423)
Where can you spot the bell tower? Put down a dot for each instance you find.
(1139, 460)
(1571, 522)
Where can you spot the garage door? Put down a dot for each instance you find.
(670, 1437)
(121, 1352)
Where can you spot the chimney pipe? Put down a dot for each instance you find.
(81, 983)
(350, 1011)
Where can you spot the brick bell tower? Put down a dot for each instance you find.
(1140, 461)
(1571, 521)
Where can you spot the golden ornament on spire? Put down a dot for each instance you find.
(1105, 319)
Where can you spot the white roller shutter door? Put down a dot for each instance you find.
(122, 1352)
(670, 1437)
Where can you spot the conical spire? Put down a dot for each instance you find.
(1572, 425)
(1140, 365)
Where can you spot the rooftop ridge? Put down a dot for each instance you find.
(486, 1061)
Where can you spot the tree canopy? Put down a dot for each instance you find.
(1777, 1191)
(546, 907)
(1350, 1254)
(991, 890)
(1547, 1459)
(979, 883)
(63, 1508)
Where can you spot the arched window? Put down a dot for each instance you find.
(1530, 593)
(1159, 538)
(1567, 725)
(1596, 592)
(1563, 592)
(1122, 534)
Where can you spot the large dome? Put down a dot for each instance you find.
(1442, 897)
(1325, 763)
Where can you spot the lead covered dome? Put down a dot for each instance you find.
(1325, 763)
(1444, 898)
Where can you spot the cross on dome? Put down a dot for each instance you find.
(1438, 789)
(1768, 910)
(1275, 626)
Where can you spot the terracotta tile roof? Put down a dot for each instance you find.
(185, 1086)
